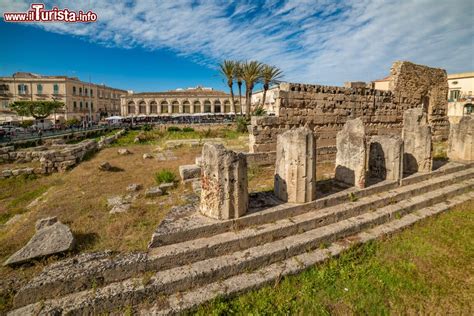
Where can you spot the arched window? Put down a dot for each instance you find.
(197, 107)
(164, 107)
(227, 106)
(153, 107)
(186, 107)
(217, 106)
(175, 107)
(207, 106)
(131, 107)
(142, 107)
(39, 88)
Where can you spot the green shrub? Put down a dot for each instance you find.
(188, 129)
(147, 127)
(259, 111)
(242, 123)
(165, 176)
(174, 129)
(72, 122)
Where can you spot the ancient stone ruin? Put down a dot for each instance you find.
(295, 171)
(325, 109)
(351, 154)
(416, 135)
(385, 158)
(224, 192)
(461, 140)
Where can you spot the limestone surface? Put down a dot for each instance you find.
(123, 151)
(105, 166)
(385, 157)
(295, 171)
(461, 139)
(189, 172)
(224, 187)
(351, 153)
(416, 135)
(51, 237)
(153, 192)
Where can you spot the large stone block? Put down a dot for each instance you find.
(224, 193)
(351, 153)
(461, 139)
(385, 158)
(416, 135)
(295, 171)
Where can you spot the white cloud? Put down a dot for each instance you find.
(321, 41)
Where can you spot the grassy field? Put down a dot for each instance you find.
(427, 269)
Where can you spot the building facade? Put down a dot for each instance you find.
(179, 101)
(460, 95)
(84, 101)
(270, 98)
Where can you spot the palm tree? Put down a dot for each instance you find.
(270, 75)
(238, 77)
(251, 74)
(227, 70)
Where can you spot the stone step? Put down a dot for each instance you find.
(181, 229)
(82, 272)
(173, 255)
(272, 274)
(136, 290)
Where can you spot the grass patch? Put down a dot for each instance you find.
(427, 269)
(165, 176)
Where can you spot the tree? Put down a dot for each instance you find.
(37, 109)
(238, 77)
(251, 74)
(270, 75)
(227, 70)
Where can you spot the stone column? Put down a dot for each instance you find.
(147, 108)
(351, 153)
(461, 140)
(385, 158)
(170, 108)
(191, 106)
(202, 106)
(416, 135)
(213, 107)
(181, 107)
(224, 192)
(295, 171)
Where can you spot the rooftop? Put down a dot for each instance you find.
(461, 75)
(197, 91)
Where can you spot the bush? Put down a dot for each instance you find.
(242, 123)
(26, 124)
(147, 127)
(72, 122)
(188, 129)
(165, 176)
(259, 111)
(174, 129)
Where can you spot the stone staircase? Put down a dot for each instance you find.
(191, 264)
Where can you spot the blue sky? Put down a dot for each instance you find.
(147, 45)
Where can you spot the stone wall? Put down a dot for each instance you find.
(325, 109)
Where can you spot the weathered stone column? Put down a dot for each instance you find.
(461, 140)
(295, 171)
(385, 158)
(416, 135)
(351, 153)
(224, 192)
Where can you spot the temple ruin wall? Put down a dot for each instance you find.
(325, 109)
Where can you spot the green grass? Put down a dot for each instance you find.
(427, 269)
(165, 176)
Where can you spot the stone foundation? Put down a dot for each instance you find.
(224, 183)
(461, 140)
(416, 135)
(295, 171)
(351, 154)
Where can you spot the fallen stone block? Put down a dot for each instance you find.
(153, 192)
(123, 151)
(51, 237)
(147, 156)
(105, 166)
(189, 172)
(134, 187)
(165, 187)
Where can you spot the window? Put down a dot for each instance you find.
(87, 105)
(80, 91)
(75, 104)
(92, 106)
(80, 105)
(22, 89)
(469, 109)
(74, 90)
(56, 89)
(454, 95)
(92, 93)
(4, 88)
(85, 91)
(39, 88)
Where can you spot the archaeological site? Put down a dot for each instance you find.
(335, 168)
